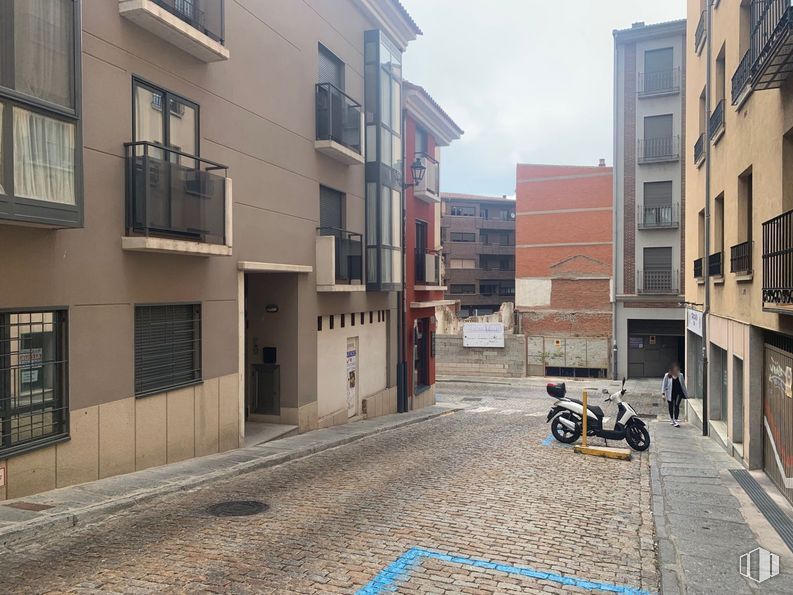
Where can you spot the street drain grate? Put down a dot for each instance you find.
(238, 508)
(773, 514)
(472, 399)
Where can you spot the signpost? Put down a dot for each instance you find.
(483, 334)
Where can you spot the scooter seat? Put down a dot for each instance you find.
(593, 408)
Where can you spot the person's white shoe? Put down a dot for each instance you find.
(676, 424)
(671, 422)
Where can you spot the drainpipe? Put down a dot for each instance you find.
(402, 369)
(614, 222)
(706, 261)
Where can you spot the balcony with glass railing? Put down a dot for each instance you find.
(195, 26)
(428, 189)
(338, 125)
(428, 270)
(339, 257)
(176, 202)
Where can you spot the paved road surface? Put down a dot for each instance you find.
(471, 502)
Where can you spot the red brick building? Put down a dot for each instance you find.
(563, 267)
(427, 129)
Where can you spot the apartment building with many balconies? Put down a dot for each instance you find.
(149, 315)
(649, 196)
(478, 237)
(741, 245)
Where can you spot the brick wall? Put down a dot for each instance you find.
(452, 359)
(585, 295)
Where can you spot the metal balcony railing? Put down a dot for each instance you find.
(428, 267)
(338, 117)
(348, 248)
(173, 194)
(741, 258)
(205, 15)
(778, 260)
(698, 268)
(716, 264)
(659, 149)
(716, 124)
(699, 150)
(743, 76)
(657, 282)
(699, 36)
(667, 217)
(659, 82)
(771, 42)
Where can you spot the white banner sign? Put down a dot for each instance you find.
(694, 322)
(483, 334)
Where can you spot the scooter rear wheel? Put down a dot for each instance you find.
(561, 432)
(637, 437)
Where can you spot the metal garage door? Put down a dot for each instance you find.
(652, 346)
(778, 414)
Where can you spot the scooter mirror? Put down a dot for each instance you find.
(606, 391)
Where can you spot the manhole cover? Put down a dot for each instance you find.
(238, 508)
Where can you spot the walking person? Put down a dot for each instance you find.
(673, 389)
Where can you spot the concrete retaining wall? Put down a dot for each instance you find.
(452, 359)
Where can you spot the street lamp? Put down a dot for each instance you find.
(418, 169)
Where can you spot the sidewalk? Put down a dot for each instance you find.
(704, 520)
(36, 517)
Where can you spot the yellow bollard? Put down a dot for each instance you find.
(598, 451)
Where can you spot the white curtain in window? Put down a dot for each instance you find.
(44, 49)
(43, 157)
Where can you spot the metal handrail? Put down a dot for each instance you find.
(743, 76)
(658, 82)
(658, 217)
(699, 36)
(665, 148)
(717, 119)
(741, 258)
(769, 19)
(699, 150)
(699, 268)
(657, 282)
(778, 259)
(196, 13)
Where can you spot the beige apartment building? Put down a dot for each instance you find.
(195, 236)
(749, 263)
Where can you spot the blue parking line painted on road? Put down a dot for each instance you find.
(548, 440)
(400, 569)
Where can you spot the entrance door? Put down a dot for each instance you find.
(421, 247)
(778, 418)
(352, 376)
(420, 354)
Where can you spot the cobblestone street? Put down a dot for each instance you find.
(472, 502)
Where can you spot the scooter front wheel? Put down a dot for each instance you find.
(561, 432)
(637, 437)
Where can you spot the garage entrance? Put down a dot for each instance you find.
(653, 345)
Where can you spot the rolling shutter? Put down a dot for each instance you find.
(658, 259)
(331, 69)
(657, 194)
(167, 347)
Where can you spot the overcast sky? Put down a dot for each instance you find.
(529, 81)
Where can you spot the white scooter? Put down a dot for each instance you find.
(566, 417)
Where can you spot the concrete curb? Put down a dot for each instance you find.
(185, 476)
